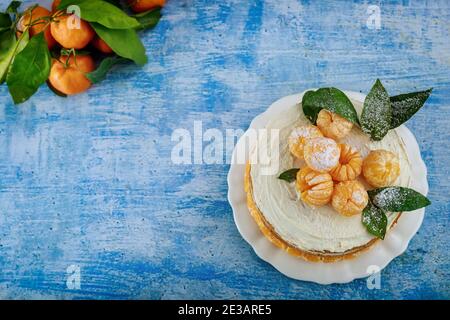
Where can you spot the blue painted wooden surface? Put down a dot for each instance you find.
(89, 180)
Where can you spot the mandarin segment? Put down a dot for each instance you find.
(349, 198)
(381, 168)
(315, 188)
(298, 137)
(321, 154)
(333, 125)
(349, 166)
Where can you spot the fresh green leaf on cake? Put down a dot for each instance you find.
(332, 99)
(289, 175)
(404, 106)
(398, 199)
(376, 116)
(375, 220)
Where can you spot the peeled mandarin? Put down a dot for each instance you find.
(349, 166)
(321, 154)
(381, 168)
(333, 125)
(298, 138)
(315, 188)
(349, 198)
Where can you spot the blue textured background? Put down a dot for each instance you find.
(89, 181)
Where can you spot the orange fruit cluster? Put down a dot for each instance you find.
(332, 168)
(68, 31)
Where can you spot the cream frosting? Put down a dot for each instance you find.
(315, 229)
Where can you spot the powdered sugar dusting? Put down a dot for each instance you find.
(319, 179)
(389, 197)
(299, 132)
(358, 197)
(324, 153)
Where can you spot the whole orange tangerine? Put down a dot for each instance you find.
(68, 74)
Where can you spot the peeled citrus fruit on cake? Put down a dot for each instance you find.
(299, 136)
(321, 154)
(381, 168)
(349, 166)
(315, 188)
(333, 125)
(349, 198)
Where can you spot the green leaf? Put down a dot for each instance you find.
(331, 99)
(289, 175)
(124, 42)
(13, 7)
(398, 199)
(65, 3)
(104, 13)
(375, 220)
(404, 106)
(376, 116)
(148, 19)
(30, 69)
(5, 21)
(9, 47)
(102, 70)
(116, 3)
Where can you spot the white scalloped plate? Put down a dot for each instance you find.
(380, 255)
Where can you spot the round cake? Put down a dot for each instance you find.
(315, 234)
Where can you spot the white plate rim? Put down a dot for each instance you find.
(375, 259)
